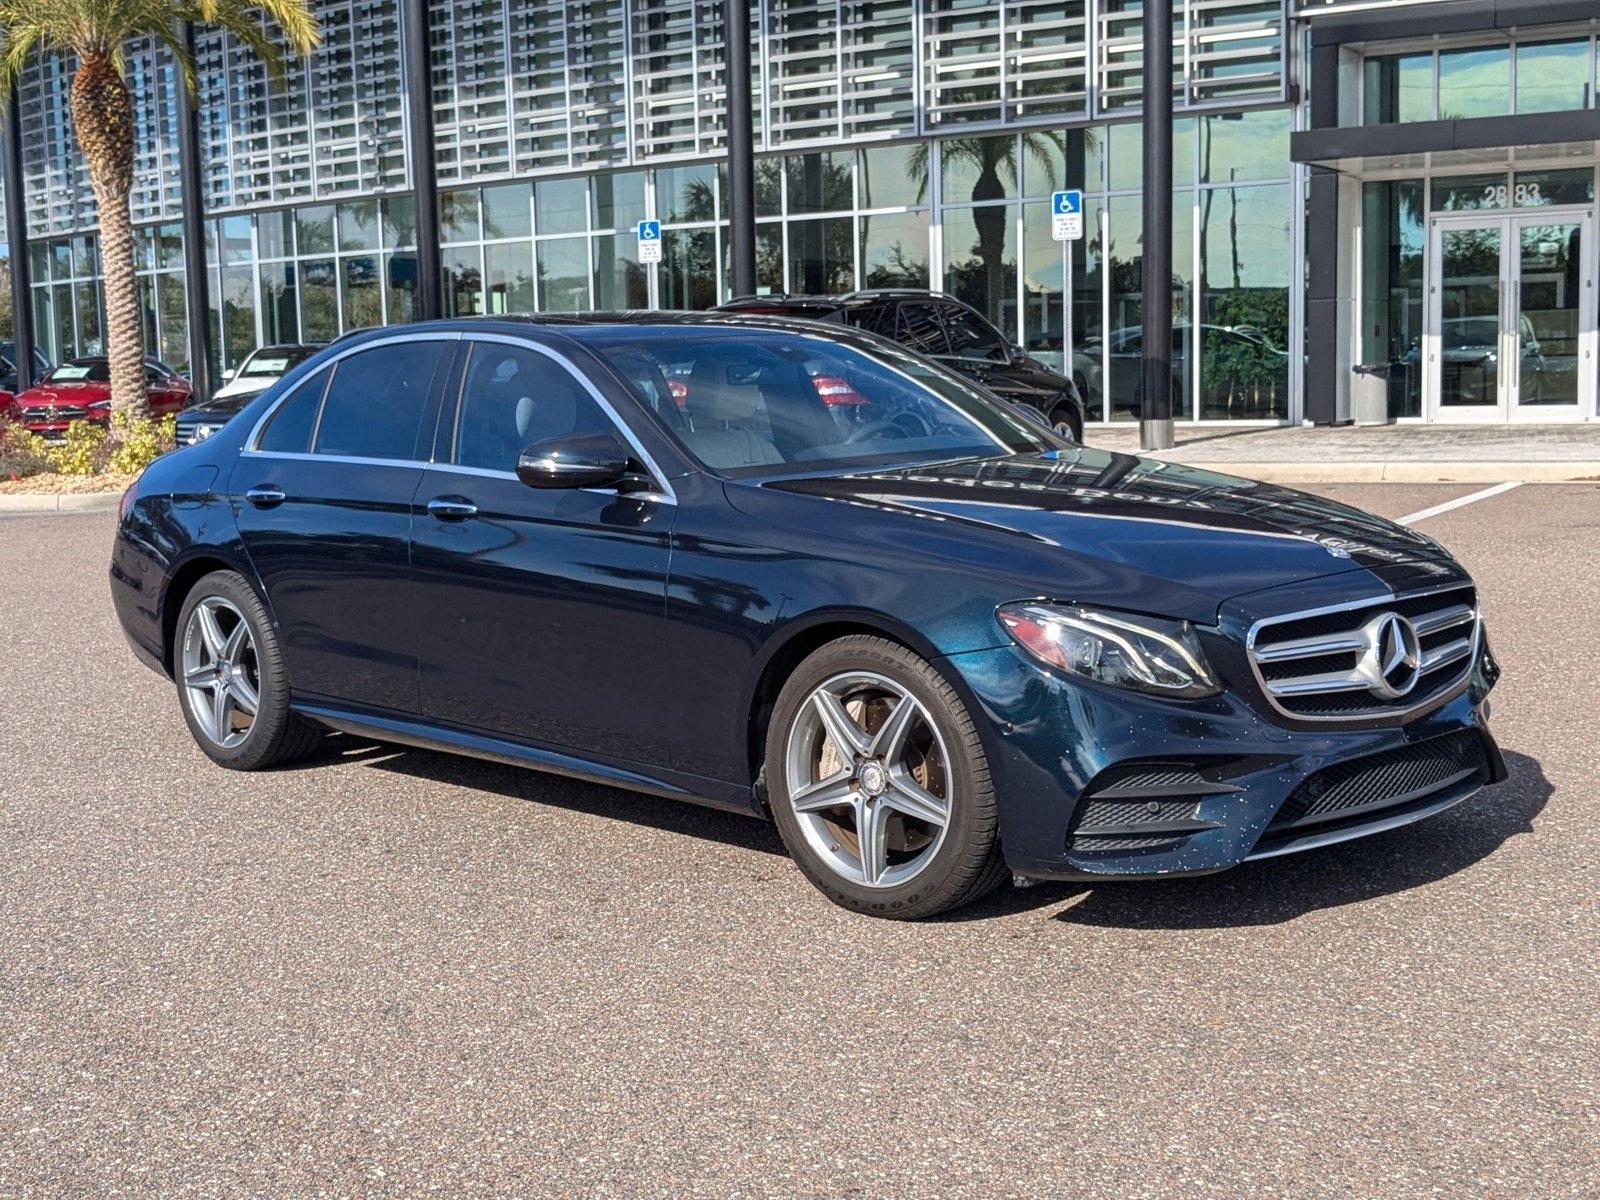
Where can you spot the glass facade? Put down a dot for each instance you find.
(909, 143)
(1531, 74)
(901, 143)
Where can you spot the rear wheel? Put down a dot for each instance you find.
(232, 684)
(879, 784)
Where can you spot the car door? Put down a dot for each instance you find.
(541, 611)
(323, 495)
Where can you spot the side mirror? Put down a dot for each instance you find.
(580, 460)
(1015, 353)
(227, 376)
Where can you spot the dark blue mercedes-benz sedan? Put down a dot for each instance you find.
(798, 571)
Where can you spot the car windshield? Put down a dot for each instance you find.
(272, 363)
(96, 371)
(747, 401)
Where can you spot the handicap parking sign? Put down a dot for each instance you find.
(649, 241)
(1066, 216)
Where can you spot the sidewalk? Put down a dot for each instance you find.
(1373, 453)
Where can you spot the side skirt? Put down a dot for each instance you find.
(408, 731)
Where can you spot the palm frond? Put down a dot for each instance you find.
(103, 28)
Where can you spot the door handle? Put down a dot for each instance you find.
(452, 508)
(265, 495)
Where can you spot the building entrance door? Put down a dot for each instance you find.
(1511, 323)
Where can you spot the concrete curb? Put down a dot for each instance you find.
(58, 502)
(1404, 472)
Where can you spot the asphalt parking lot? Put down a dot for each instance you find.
(394, 972)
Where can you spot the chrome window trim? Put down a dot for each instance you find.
(1443, 696)
(664, 494)
(352, 460)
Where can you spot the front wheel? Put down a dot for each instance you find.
(1066, 421)
(879, 784)
(232, 683)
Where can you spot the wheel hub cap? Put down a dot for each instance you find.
(874, 780)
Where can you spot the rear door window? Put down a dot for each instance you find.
(971, 336)
(376, 400)
(918, 328)
(869, 317)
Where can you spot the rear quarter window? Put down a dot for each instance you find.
(289, 428)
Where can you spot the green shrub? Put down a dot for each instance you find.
(22, 453)
(139, 442)
(81, 453)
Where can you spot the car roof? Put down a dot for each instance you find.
(838, 299)
(571, 327)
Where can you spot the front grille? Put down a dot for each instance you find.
(54, 414)
(1360, 788)
(1328, 664)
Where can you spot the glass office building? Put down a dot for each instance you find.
(901, 143)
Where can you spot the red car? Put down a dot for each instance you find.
(80, 390)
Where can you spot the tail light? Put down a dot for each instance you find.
(679, 391)
(836, 392)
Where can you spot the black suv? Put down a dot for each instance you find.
(943, 328)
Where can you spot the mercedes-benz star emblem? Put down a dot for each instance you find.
(1392, 657)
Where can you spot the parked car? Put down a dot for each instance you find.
(1469, 362)
(937, 651)
(1239, 344)
(9, 381)
(80, 390)
(264, 367)
(8, 366)
(942, 328)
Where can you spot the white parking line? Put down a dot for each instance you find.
(1459, 501)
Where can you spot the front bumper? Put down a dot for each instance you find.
(1094, 783)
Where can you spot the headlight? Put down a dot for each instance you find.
(1142, 654)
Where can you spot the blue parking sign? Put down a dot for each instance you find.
(1066, 216)
(649, 241)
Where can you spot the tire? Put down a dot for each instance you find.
(1065, 419)
(936, 764)
(236, 651)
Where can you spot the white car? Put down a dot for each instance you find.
(262, 369)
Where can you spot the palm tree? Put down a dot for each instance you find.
(96, 33)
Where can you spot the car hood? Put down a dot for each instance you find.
(244, 387)
(1024, 376)
(63, 395)
(221, 406)
(1140, 533)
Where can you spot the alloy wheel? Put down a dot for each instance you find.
(868, 779)
(221, 675)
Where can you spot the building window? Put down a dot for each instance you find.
(1474, 83)
(1553, 76)
(1398, 87)
(1392, 289)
